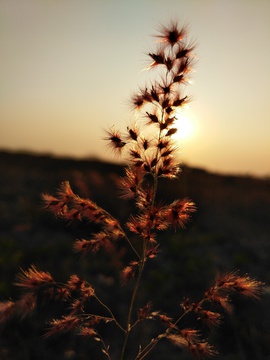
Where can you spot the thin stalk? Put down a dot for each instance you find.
(123, 232)
(132, 247)
(155, 186)
(154, 173)
(154, 342)
(109, 310)
(129, 327)
(105, 348)
(134, 294)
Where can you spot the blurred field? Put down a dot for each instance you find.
(230, 231)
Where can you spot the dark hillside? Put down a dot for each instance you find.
(231, 230)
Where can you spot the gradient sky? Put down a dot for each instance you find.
(69, 67)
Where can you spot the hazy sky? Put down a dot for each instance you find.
(69, 67)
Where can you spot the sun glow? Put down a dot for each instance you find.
(184, 126)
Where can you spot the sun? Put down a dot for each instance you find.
(183, 125)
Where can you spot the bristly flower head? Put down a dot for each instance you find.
(115, 140)
(32, 278)
(65, 324)
(241, 284)
(172, 34)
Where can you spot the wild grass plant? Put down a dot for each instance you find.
(151, 149)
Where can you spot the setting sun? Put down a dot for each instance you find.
(184, 126)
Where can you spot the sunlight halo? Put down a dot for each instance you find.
(185, 127)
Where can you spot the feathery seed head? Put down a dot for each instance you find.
(190, 335)
(133, 132)
(115, 140)
(241, 284)
(65, 324)
(32, 278)
(155, 94)
(153, 117)
(65, 192)
(210, 318)
(87, 331)
(129, 271)
(158, 58)
(53, 204)
(144, 312)
(141, 98)
(145, 143)
(172, 34)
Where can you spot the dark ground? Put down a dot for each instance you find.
(230, 231)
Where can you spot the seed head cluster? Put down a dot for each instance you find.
(150, 144)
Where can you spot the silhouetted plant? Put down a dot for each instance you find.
(150, 146)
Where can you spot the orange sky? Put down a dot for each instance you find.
(68, 69)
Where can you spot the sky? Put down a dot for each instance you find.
(68, 69)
